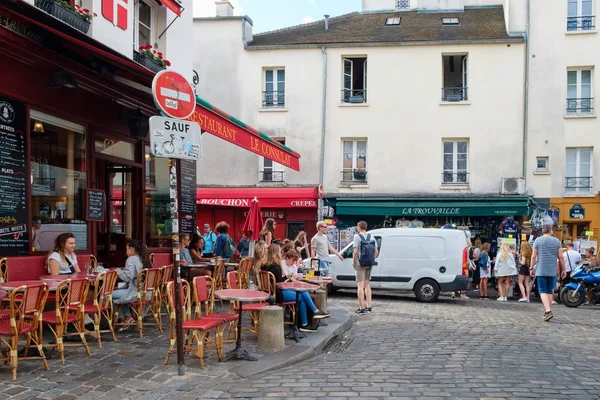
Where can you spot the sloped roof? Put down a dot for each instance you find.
(476, 24)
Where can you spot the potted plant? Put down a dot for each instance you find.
(151, 58)
(79, 18)
(360, 174)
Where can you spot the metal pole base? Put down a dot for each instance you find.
(181, 370)
(238, 354)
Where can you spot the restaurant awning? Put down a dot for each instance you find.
(219, 123)
(267, 197)
(421, 207)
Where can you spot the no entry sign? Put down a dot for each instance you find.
(173, 94)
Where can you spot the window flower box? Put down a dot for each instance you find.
(151, 58)
(78, 18)
(147, 62)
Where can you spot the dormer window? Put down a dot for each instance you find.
(450, 21)
(392, 21)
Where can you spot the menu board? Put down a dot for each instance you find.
(187, 193)
(95, 205)
(14, 179)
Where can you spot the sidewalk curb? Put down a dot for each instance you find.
(307, 348)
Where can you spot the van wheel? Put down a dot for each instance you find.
(427, 290)
(331, 289)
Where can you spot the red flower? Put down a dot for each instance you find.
(142, 47)
(85, 10)
(95, 15)
(77, 6)
(160, 54)
(167, 63)
(148, 46)
(154, 51)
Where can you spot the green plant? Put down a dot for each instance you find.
(157, 56)
(83, 12)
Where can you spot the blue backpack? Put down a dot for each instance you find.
(366, 254)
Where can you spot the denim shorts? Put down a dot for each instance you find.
(546, 284)
(323, 267)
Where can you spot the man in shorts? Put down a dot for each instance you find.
(320, 248)
(363, 272)
(546, 250)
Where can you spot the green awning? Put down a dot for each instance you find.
(432, 208)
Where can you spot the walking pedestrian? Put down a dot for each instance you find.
(546, 249)
(320, 248)
(505, 269)
(485, 271)
(363, 259)
(524, 278)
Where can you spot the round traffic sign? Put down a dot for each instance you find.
(173, 94)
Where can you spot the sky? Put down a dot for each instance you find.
(269, 15)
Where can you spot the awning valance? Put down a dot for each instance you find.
(433, 208)
(267, 197)
(173, 6)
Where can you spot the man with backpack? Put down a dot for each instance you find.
(365, 253)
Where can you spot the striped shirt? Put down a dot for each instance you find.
(547, 252)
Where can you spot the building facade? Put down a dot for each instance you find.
(562, 121)
(75, 98)
(406, 110)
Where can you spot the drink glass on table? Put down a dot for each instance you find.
(88, 268)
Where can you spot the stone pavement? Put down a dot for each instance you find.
(452, 349)
(455, 348)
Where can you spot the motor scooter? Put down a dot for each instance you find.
(585, 280)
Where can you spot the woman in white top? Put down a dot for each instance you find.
(290, 269)
(63, 260)
(505, 269)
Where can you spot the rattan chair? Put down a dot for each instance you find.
(268, 283)
(102, 305)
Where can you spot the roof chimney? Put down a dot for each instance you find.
(326, 22)
(224, 8)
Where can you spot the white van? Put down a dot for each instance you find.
(426, 261)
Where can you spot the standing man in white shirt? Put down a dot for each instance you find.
(320, 248)
(572, 258)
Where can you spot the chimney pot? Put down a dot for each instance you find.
(326, 22)
(224, 8)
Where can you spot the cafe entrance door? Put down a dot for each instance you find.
(124, 211)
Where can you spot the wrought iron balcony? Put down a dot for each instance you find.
(271, 176)
(578, 183)
(354, 175)
(273, 99)
(582, 23)
(355, 96)
(581, 105)
(455, 178)
(454, 94)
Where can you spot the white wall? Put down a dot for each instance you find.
(553, 51)
(378, 5)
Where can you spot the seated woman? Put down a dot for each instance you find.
(195, 250)
(62, 260)
(273, 264)
(290, 266)
(137, 259)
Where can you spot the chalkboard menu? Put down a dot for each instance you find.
(95, 205)
(187, 200)
(14, 179)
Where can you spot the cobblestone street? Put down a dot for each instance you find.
(455, 348)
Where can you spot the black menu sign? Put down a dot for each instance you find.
(95, 205)
(187, 200)
(14, 179)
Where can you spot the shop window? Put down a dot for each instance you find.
(578, 174)
(158, 201)
(355, 80)
(271, 171)
(58, 181)
(354, 161)
(274, 88)
(455, 169)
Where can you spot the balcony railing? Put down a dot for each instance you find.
(455, 178)
(582, 105)
(354, 175)
(271, 176)
(454, 94)
(354, 96)
(583, 23)
(273, 99)
(578, 183)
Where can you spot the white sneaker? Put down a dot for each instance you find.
(528, 301)
(554, 302)
(500, 298)
(523, 300)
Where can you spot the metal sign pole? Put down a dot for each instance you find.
(176, 270)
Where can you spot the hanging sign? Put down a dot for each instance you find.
(577, 212)
(175, 138)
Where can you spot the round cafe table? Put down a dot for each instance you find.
(241, 295)
(297, 287)
(12, 285)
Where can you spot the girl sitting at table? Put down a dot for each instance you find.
(62, 260)
(137, 259)
(196, 247)
(290, 266)
(273, 264)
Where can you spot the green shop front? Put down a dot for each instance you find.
(481, 215)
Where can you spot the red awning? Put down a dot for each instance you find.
(267, 197)
(173, 6)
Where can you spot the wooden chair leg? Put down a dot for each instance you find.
(14, 340)
(97, 320)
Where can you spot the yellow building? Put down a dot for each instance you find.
(578, 215)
